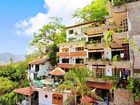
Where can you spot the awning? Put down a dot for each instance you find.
(57, 72)
(28, 91)
(99, 85)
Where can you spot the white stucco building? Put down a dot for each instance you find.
(39, 68)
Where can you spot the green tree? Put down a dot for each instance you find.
(76, 81)
(95, 11)
(49, 36)
(12, 76)
(52, 54)
(134, 87)
(53, 32)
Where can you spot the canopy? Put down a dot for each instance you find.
(28, 91)
(57, 72)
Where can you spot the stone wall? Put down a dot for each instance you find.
(123, 97)
(133, 9)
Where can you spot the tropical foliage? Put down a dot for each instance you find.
(48, 37)
(108, 38)
(95, 11)
(76, 81)
(12, 76)
(134, 86)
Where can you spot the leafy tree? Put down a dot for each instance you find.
(52, 54)
(12, 76)
(53, 32)
(8, 99)
(134, 86)
(95, 11)
(14, 71)
(76, 81)
(48, 37)
(6, 85)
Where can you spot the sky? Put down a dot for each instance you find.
(19, 19)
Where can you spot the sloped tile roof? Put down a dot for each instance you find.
(28, 91)
(57, 72)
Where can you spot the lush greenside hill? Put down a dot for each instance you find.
(12, 76)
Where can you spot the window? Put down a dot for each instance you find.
(36, 68)
(117, 53)
(83, 39)
(95, 55)
(65, 60)
(99, 72)
(96, 39)
(79, 60)
(65, 49)
(126, 51)
(79, 49)
(35, 76)
(29, 66)
(124, 25)
(46, 96)
(116, 71)
(70, 31)
(57, 99)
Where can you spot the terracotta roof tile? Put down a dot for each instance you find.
(57, 72)
(28, 91)
(39, 61)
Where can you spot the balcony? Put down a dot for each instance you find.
(99, 83)
(117, 64)
(120, 37)
(72, 43)
(72, 54)
(69, 66)
(63, 54)
(98, 62)
(122, 64)
(95, 46)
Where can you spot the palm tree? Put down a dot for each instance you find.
(76, 81)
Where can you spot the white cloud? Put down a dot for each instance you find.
(56, 8)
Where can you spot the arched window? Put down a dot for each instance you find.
(57, 99)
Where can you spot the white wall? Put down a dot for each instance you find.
(78, 30)
(107, 53)
(31, 74)
(48, 101)
(71, 60)
(43, 70)
(108, 70)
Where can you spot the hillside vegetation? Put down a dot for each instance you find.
(12, 76)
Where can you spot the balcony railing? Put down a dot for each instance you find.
(63, 54)
(95, 46)
(99, 84)
(98, 62)
(117, 64)
(69, 66)
(121, 35)
(72, 54)
(122, 64)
